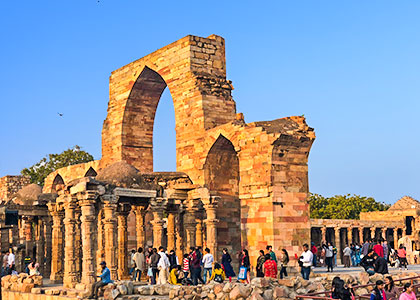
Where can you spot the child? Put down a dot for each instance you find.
(186, 265)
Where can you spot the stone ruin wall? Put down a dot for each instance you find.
(10, 185)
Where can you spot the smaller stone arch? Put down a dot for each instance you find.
(90, 172)
(57, 182)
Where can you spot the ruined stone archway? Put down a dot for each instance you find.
(221, 171)
(58, 180)
(90, 172)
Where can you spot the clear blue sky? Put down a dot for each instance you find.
(352, 67)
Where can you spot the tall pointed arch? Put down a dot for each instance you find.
(221, 171)
(58, 180)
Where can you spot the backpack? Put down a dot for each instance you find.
(218, 278)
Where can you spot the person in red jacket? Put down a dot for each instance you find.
(379, 249)
(314, 251)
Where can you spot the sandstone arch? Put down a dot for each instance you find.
(90, 172)
(194, 70)
(58, 180)
(222, 178)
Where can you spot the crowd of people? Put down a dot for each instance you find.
(8, 266)
(374, 257)
(382, 290)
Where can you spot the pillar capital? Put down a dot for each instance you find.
(158, 204)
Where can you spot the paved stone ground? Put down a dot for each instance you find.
(355, 270)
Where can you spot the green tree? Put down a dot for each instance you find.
(343, 206)
(72, 156)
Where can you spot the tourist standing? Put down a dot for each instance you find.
(391, 291)
(378, 248)
(208, 260)
(246, 263)
(378, 293)
(386, 250)
(329, 257)
(346, 256)
(270, 267)
(365, 248)
(105, 279)
(132, 264)
(227, 265)
(163, 266)
(154, 260)
(283, 263)
(11, 258)
(269, 248)
(314, 251)
(196, 267)
(140, 264)
(402, 256)
(173, 259)
(408, 293)
(186, 265)
(260, 263)
(306, 259)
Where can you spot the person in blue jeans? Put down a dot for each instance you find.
(208, 260)
(306, 260)
(105, 279)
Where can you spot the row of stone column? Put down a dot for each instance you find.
(361, 234)
(102, 234)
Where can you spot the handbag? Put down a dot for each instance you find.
(149, 272)
(242, 273)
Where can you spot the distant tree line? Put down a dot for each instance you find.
(72, 156)
(342, 206)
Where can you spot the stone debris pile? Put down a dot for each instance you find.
(21, 283)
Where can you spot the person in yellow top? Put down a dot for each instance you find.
(174, 275)
(218, 275)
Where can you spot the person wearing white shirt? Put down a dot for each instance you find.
(306, 260)
(163, 266)
(207, 263)
(11, 258)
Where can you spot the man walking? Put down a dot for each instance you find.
(346, 256)
(195, 267)
(306, 262)
(208, 264)
(105, 279)
(139, 264)
(154, 260)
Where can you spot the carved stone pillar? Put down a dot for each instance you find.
(324, 234)
(179, 237)
(396, 238)
(122, 244)
(383, 233)
(171, 230)
(211, 224)
(361, 240)
(337, 243)
(140, 212)
(78, 242)
(88, 232)
(110, 240)
(29, 242)
(373, 233)
(190, 230)
(157, 206)
(48, 246)
(57, 253)
(70, 273)
(100, 252)
(349, 235)
(199, 231)
(40, 246)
